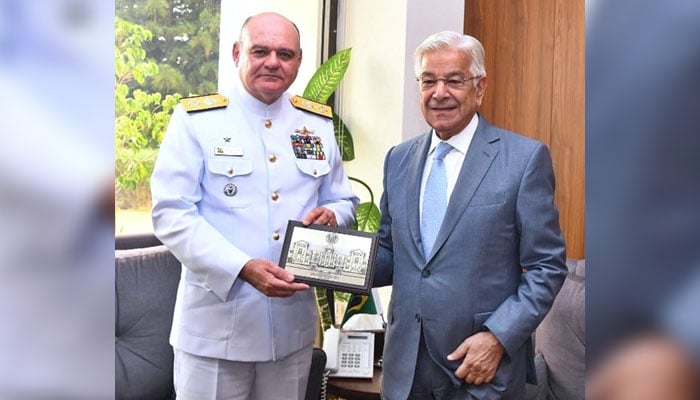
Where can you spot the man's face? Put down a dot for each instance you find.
(447, 106)
(268, 57)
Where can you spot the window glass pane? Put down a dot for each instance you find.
(164, 50)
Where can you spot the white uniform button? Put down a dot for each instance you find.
(314, 172)
(272, 158)
(230, 171)
(276, 235)
(268, 123)
(275, 196)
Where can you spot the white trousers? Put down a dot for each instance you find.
(203, 378)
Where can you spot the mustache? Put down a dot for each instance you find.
(442, 104)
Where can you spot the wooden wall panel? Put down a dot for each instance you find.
(519, 75)
(534, 62)
(568, 120)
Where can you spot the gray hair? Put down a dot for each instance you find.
(449, 39)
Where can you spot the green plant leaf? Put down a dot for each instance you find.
(341, 296)
(367, 217)
(327, 77)
(344, 138)
(323, 308)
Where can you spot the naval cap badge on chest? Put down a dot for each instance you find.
(230, 190)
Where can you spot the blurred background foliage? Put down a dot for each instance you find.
(164, 50)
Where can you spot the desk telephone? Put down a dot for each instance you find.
(349, 354)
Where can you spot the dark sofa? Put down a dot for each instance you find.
(146, 279)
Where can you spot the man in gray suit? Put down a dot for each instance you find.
(470, 240)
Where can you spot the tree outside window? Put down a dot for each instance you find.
(164, 50)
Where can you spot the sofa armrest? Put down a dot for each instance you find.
(135, 241)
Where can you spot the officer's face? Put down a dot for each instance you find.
(268, 56)
(449, 108)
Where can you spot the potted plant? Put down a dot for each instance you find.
(320, 87)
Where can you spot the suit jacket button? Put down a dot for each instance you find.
(425, 273)
(417, 317)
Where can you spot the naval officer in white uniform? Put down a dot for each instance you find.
(232, 170)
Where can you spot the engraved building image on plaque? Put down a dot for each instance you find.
(334, 258)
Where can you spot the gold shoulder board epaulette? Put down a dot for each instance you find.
(203, 103)
(312, 106)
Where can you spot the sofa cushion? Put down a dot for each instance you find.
(561, 339)
(146, 288)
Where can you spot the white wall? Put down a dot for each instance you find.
(306, 14)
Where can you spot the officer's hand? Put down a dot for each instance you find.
(270, 279)
(482, 354)
(320, 216)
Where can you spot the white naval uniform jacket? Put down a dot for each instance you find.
(216, 212)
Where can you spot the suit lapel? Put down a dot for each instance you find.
(482, 151)
(416, 161)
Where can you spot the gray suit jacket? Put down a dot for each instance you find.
(497, 264)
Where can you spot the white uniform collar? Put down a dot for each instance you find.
(256, 106)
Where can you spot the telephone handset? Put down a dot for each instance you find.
(330, 346)
(349, 354)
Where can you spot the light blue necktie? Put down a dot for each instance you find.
(434, 199)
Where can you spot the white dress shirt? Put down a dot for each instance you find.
(453, 160)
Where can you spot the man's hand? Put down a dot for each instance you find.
(482, 353)
(320, 216)
(270, 279)
(648, 368)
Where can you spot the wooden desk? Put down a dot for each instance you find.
(356, 388)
